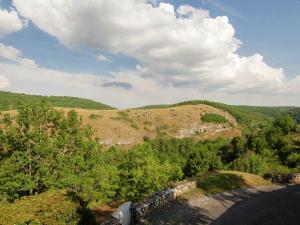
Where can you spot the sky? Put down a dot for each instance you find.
(129, 53)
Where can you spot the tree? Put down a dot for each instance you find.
(286, 123)
(201, 160)
(143, 173)
(43, 148)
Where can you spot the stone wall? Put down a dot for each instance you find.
(284, 178)
(296, 178)
(129, 213)
(141, 209)
(122, 216)
(184, 187)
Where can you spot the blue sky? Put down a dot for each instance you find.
(266, 27)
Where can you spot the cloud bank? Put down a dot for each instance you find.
(10, 22)
(183, 52)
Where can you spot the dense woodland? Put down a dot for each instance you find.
(10, 101)
(44, 152)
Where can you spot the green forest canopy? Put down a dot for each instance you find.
(9, 101)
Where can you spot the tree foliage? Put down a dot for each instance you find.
(43, 149)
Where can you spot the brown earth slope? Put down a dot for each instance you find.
(131, 126)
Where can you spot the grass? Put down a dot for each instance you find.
(221, 181)
(52, 208)
(229, 180)
(9, 101)
(213, 118)
(121, 126)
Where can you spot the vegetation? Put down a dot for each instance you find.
(247, 115)
(213, 118)
(52, 207)
(9, 101)
(45, 152)
(228, 180)
(93, 116)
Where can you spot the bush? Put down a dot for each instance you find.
(293, 160)
(143, 173)
(213, 118)
(52, 207)
(286, 123)
(200, 161)
(250, 163)
(93, 116)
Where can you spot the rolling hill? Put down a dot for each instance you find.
(248, 115)
(9, 101)
(133, 126)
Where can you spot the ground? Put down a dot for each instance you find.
(129, 127)
(264, 205)
(233, 198)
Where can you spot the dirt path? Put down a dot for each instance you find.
(240, 207)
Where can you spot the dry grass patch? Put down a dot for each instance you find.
(128, 127)
(221, 181)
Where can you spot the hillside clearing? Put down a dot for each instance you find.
(133, 126)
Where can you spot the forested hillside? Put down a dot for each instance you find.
(9, 101)
(46, 154)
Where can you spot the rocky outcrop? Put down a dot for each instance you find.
(197, 128)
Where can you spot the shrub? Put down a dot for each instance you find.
(213, 118)
(123, 113)
(200, 161)
(146, 138)
(52, 207)
(143, 173)
(250, 163)
(134, 125)
(286, 123)
(293, 160)
(93, 116)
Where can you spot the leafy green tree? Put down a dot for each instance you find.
(44, 149)
(286, 123)
(143, 173)
(201, 160)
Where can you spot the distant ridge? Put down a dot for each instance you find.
(9, 101)
(244, 114)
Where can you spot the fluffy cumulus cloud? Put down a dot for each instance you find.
(14, 55)
(179, 49)
(10, 22)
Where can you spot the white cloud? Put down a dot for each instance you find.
(181, 50)
(102, 58)
(15, 55)
(128, 88)
(4, 82)
(10, 22)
